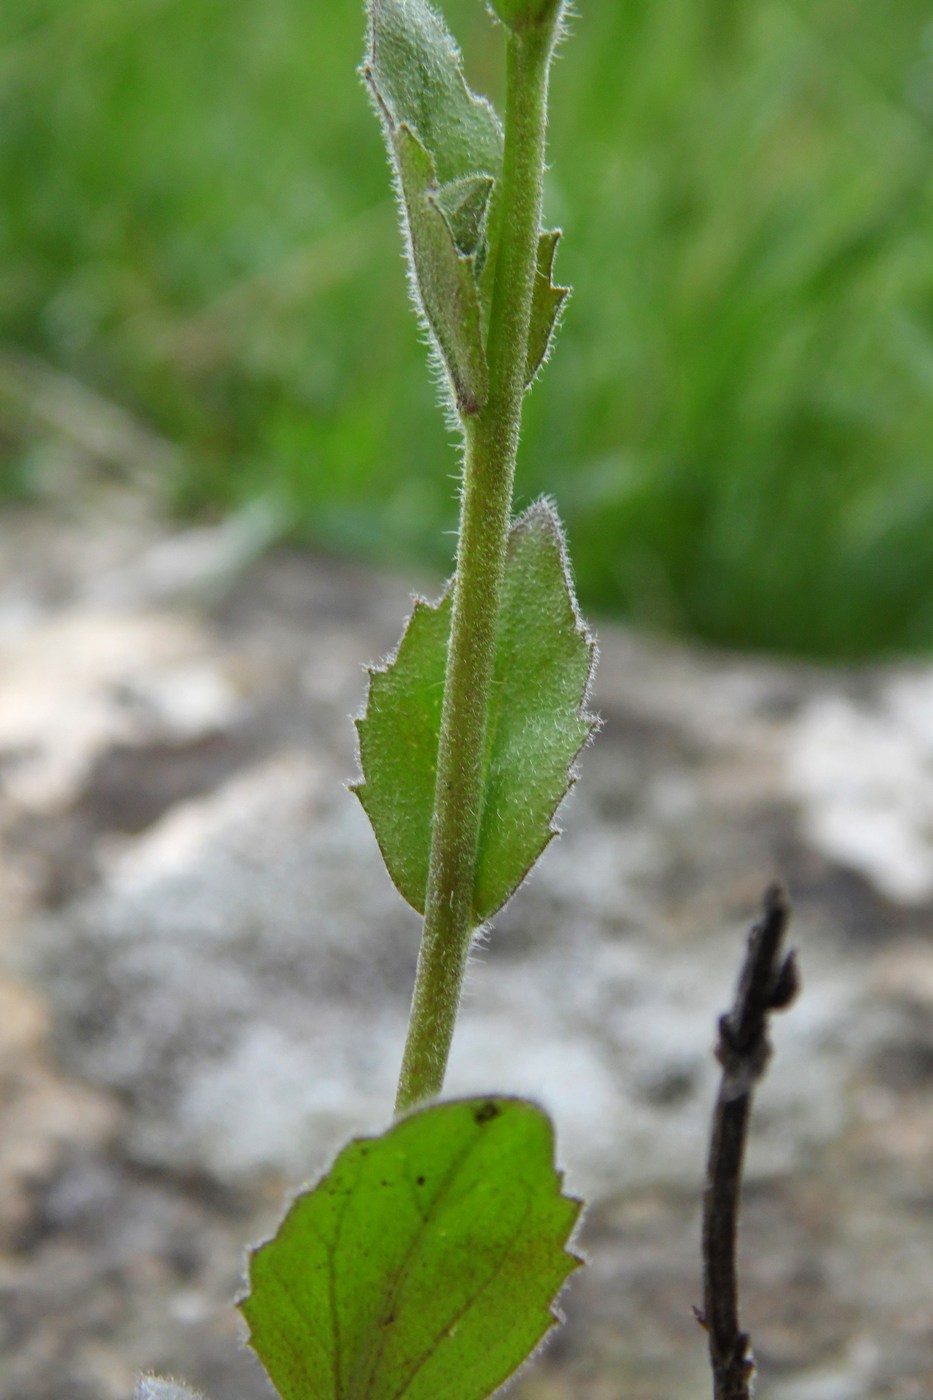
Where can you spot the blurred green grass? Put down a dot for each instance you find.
(738, 419)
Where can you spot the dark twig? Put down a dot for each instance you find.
(768, 982)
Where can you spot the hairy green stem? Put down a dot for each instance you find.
(491, 442)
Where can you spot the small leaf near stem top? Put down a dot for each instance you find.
(546, 305)
(416, 75)
(445, 144)
(445, 277)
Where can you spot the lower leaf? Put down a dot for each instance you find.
(425, 1263)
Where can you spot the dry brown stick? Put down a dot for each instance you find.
(768, 982)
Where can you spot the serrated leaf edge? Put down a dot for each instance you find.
(483, 1102)
(541, 510)
(382, 668)
(575, 1256)
(470, 396)
(548, 239)
(544, 508)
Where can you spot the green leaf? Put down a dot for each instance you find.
(544, 663)
(424, 1264)
(463, 204)
(398, 736)
(446, 147)
(444, 277)
(415, 73)
(537, 724)
(546, 303)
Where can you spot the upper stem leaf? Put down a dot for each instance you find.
(536, 726)
(398, 737)
(546, 303)
(538, 723)
(445, 144)
(464, 204)
(414, 70)
(444, 276)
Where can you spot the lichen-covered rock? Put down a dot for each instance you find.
(219, 972)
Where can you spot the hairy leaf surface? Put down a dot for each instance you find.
(546, 303)
(445, 277)
(398, 737)
(415, 72)
(424, 1264)
(537, 723)
(446, 146)
(463, 204)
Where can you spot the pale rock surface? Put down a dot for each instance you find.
(208, 974)
(864, 772)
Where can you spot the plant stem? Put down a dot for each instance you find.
(768, 982)
(490, 445)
